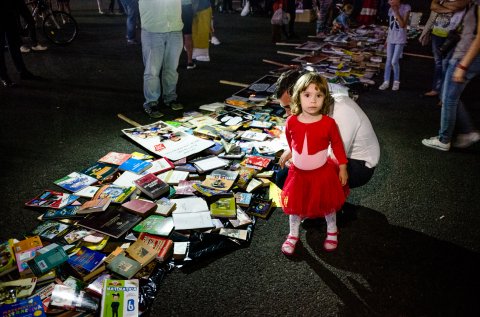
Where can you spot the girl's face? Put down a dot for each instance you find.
(311, 100)
(393, 3)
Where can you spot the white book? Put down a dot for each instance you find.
(212, 106)
(254, 136)
(127, 179)
(211, 163)
(87, 192)
(173, 177)
(191, 213)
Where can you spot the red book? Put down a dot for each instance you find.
(152, 186)
(163, 245)
(140, 207)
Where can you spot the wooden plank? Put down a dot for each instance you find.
(418, 55)
(289, 53)
(128, 120)
(233, 83)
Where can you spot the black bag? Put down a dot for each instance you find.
(451, 41)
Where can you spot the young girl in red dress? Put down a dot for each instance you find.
(315, 186)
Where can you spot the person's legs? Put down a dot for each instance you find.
(288, 247)
(173, 49)
(131, 7)
(331, 242)
(451, 93)
(397, 53)
(388, 62)
(153, 50)
(358, 173)
(3, 67)
(187, 18)
(438, 60)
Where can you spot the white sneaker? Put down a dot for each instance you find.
(24, 49)
(39, 47)
(214, 40)
(396, 85)
(435, 143)
(384, 85)
(466, 139)
(246, 9)
(203, 58)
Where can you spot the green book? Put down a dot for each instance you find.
(120, 298)
(124, 266)
(224, 207)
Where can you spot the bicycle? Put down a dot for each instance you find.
(58, 27)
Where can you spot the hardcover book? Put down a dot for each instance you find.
(47, 258)
(260, 207)
(86, 259)
(102, 172)
(152, 186)
(75, 181)
(95, 205)
(115, 158)
(52, 199)
(50, 230)
(156, 224)
(113, 223)
(140, 207)
(118, 194)
(163, 246)
(120, 298)
(142, 252)
(186, 187)
(124, 266)
(224, 208)
(63, 213)
(135, 165)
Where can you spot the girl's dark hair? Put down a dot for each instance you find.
(301, 85)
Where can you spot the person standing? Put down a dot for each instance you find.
(187, 18)
(162, 43)
(315, 184)
(201, 28)
(131, 8)
(462, 68)
(396, 40)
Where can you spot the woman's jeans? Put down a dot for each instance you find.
(454, 113)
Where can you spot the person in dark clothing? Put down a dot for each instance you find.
(9, 33)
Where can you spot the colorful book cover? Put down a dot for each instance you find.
(185, 187)
(86, 259)
(161, 165)
(134, 165)
(120, 298)
(162, 245)
(12, 290)
(257, 161)
(63, 213)
(7, 257)
(52, 199)
(140, 207)
(141, 156)
(118, 194)
(50, 230)
(220, 179)
(100, 171)
(155, 224)
(75, 181)
(115, 158)
(124, 266)
(260, 207)
(164, 207)
(152, 186)
(24, 308)
(224, 207)
(68, 298)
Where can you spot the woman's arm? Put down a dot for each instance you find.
(472, 53)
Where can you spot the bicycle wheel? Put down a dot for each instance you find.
(60, 27)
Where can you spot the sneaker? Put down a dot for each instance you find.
(435, 143)
(203, 58)
(39, 47)
(24, 49)
(151, 109)
(174, 105)
(132, 42)
(245, 10)
(191, 65)
(384, 85)
(396, 85)
(466, 139)
(215, 41)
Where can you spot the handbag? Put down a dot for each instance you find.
(453, 37)
(426, 35)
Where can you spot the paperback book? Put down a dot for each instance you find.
(118, 194)
(102, 172)
(224, 207)
(114, 223)
(260, 207)
(115, 158)
(67, 212)
(173, 177)
(68, 298)
(11, 290)
(124, 266)
(23, 308)
(152, 186)
(120, 298)
(161, 165)
(95, 205)
(140, 207)
(47, 258)
(191, 213)
(75, 181)
(162, 245)
(135, 165)
(142, 252)
(185, 187)
(164, 207)
(50, 230)
(220, 179)
(156, 224)
(52, 199)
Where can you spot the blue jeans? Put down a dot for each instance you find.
(453, 109)
(161, 52)
(441, 63)
(394, 52)
(131, 8)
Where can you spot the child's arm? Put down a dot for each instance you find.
(342, 174)
(402, 20)
(472, 53)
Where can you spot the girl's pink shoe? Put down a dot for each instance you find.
(329, 244)
(288, 247)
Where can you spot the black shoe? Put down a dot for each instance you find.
(26, 75)
(6, 83)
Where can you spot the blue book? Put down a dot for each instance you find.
(24, 307)
(86, 259)
(135, 165)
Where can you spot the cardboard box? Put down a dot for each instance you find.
(307, 15)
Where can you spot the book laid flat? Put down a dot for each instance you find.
(95, 205)
(162, 245)
(156, 224)
(140, 207)
(63, 213)
(152, 186)
(47, 258)
(258, 161)
(100, 171)
(52, 199)
(113, 223)
(243, 199)
(243, 219)
(161, 165)
(115, 158)
(86, 259)
(224, 207)
(191, 213)
(75, 181)
(50, 230)
(220, 179)
(96, 287)
(135, 165)
(68, 298)
(173, 177)
(142, 252)
(167, 141)
(210, 163)
(241, 234)
(124, 266)
(164, 207)
(185, 187)
(77, 234)
(260, 207)
(118, 194)
(24, 307)
(8, 257)
(20, 288)
(120, 298)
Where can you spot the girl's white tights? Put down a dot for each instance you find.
(295, 225)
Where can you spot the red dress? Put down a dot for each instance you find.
(313, 192)
(369, 12)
